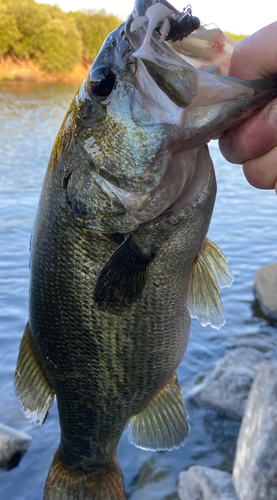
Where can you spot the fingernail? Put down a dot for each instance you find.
(272, 117)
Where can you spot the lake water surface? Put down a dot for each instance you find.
(244, 226)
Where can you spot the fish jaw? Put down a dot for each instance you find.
(205, 48)
(128, 138)
(222, 102)
(202, 46)
(211, 103)
(127, 146)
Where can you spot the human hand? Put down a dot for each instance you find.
(253, 143)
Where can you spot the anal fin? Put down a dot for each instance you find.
(210, 272)
(31, 385)
(163, 424)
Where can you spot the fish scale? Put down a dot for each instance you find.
(107, 150)
(109, 337)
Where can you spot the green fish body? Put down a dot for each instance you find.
(120, 261)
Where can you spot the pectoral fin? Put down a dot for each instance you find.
(163, 424)
(32, 387)
(122, 279)
(210, 272)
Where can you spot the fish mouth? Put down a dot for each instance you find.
(160, 50)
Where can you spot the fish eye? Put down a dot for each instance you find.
(102, 82)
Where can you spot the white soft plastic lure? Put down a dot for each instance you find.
(158, 16)
(208, 46)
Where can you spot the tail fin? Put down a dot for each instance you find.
(66, 483)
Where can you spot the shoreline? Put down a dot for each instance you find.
(12, 70)
(16, 69)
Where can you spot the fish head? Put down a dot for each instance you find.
(130, 141)
(124, 133)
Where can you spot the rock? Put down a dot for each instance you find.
(155, 481)
(266, 290)
(206, 484)
(255, 468)
(13, 445)
(227, 387)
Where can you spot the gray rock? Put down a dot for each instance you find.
(266, 290)
(206, 484)
(255, 468)
(227, 387)
(13, 445)
(155, 481)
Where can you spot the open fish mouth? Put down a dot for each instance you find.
(202, 46)
(153, 113)
(155, 101)
(149, 187)
(150, 195)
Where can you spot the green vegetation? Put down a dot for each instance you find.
(94, 27)
(56, 40)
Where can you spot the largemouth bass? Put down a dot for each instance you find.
(120, 261)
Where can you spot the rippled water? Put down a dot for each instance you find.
(244, 226)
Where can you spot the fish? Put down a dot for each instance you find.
(120, 261)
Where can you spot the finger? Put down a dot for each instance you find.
(252, 138)
(254, 57)
(262, 172)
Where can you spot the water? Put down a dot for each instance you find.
(244, 226)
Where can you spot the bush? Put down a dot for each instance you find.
(60, 46)
(55, 39)
(94, 28)
(9, 32)
(29, 18)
